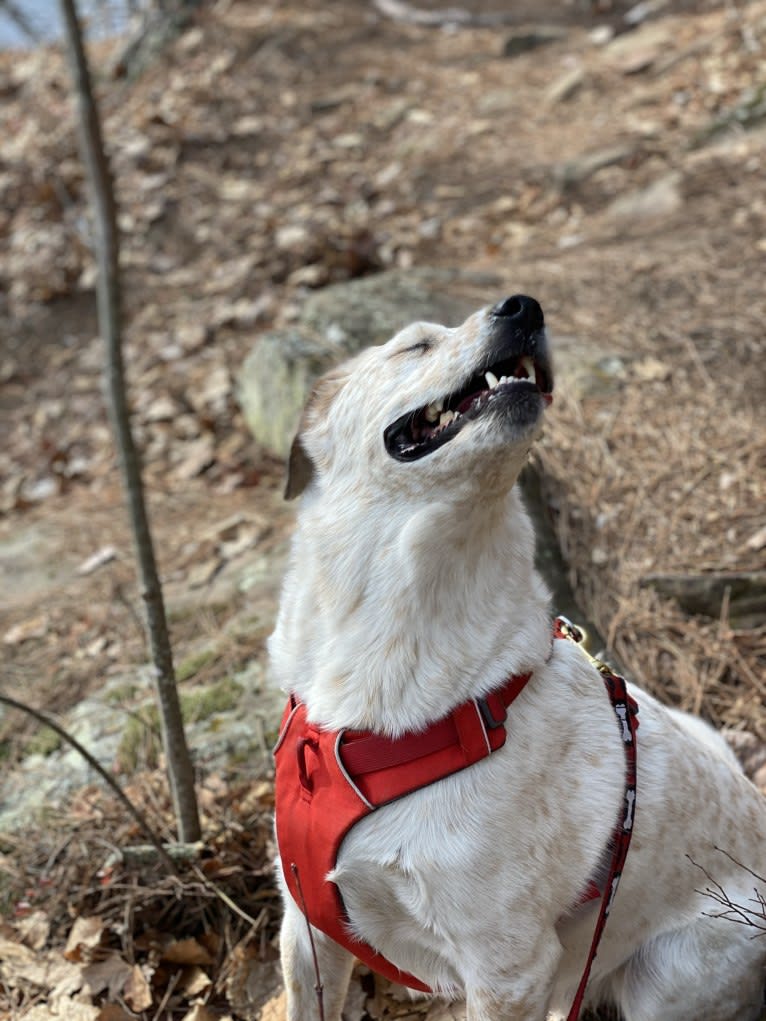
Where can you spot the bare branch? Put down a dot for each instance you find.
(180, 770)
(755, 917)
(20, 20)
(740, 865)
(95, 765)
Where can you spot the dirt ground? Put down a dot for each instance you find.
(619, 176)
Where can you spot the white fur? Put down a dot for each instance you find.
(411, 588)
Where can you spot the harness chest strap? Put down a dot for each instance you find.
(326, 781)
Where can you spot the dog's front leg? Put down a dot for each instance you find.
(507, 1005)
(299, 972)
(520, 993)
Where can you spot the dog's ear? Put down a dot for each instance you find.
(300, 467)
(300, 470)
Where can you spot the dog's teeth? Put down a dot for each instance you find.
(447, 417)
(504, 379)
(433, 410)
(529, 365)
(491, 379)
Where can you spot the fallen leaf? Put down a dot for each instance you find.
(243, 542)
(85, 935)
(35, 627)
(194, 982)
(13, 954)
(137, 992)
(757, 540)
(109, 975)
(250, 982)
(204, 572)
(200, 1012)
(161, 409)
(113, 1012)
(186, 951)
(97, 559)
(217, 386)
(34, 929)
(199, 455)
(21, 968)
(72, 1010)
(275, 1009)
(650, 370)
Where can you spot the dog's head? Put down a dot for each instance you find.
(432, 400)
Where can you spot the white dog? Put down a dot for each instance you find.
(412, 593)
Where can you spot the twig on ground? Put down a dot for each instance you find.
(230, 904)
(167, 994)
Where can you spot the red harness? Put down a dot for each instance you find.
(326, 781)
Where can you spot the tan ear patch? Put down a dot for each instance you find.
(300, 467)
(300, 470)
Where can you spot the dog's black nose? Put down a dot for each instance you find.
(525, 312)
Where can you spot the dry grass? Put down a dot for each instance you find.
(668, 476)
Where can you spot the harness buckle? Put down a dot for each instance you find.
(487, 714)
(568, 629)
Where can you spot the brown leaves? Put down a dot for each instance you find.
(138, 993)
(184, 949)
(84, 937)
(90, 980)
(76, 982)
(26, 630)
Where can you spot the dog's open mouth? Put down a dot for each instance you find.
(511, 379)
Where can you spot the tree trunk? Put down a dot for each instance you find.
(180, 770)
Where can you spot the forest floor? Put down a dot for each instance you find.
(617, 175)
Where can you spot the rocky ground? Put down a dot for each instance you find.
(611, 163)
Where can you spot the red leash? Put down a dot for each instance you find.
(626, 711)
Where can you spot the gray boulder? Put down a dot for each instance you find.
(275, 380)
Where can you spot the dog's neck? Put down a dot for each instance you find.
(392, 617)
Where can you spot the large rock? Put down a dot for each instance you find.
(337, 322)
(275, 379)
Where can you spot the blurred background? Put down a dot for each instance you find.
(295, 180)
(31, 22)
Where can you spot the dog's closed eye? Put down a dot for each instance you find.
(420, 347)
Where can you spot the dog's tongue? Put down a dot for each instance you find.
(468, 401)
